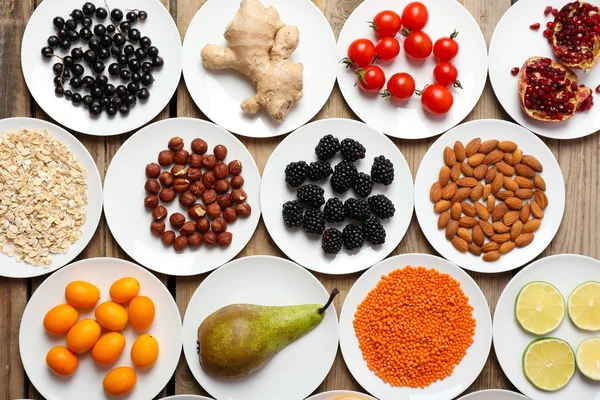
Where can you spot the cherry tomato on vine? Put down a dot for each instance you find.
(370, 79)
(446, 48)
(436, 99)
(418, 45)
(415, 16)
(400, 86)
(361, 53)
(445, 73)
(386, 23)
(387, 48)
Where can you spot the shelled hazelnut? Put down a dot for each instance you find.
(235, 167)
(237, 182)
(230, 214)
(210, 238)
(224, 239)
(238, 196)
(165, 158)
(202, 225)
(175, 144)
(159, 212)
(222, 186)
(187, 199)
(177, 220)
(157, 227)
(220, 152)
(152, 170)
(180, 243)
(209, 161)
(194, 174)
(199, 146)
(221, 171)
(243, 210)
(181, 185)
(209, 196)
(167, 195)
(181, 156)
(219, 225)
(152, 186)
(194, 240)
(188, 228)
(166, 178)
(150, 201)
(224, 200)
(197, 211)
(209, 179)
(179, 171)
(168, 237)
(195, 160)
(213, 210)
(197, 188)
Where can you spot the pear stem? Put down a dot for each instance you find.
(334, 293)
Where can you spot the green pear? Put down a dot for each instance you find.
(238, 339)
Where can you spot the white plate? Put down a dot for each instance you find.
(530, 144)
(566, 272)
(335, 394)
(129, 221)
(464, 374)
(38, 74)
(220, 93)
(305, 249)
(294, 372)
(408, 120)
(512, 43)
(186, 397)
(494, 394)
(9, 266)
(86, 383)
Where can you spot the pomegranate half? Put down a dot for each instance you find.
(575, 35)
(549, 91)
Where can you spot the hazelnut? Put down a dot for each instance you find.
(180, 244)
(210, 238)
(152, 170)
(194, 240)
(197, 188)
(222, 186)
(197, 211)
(181, 156)
(150, 201)
(165, 178)
(229, 214)
(181, 185)
(209, 161)
(175, 144)
(221, 171)
(165, 158)
(224, 200)
(167, 195)
(235, 167)
(220, 151)
(237, 182)
(159, 212)
(202, 225)
(194, 174)
(243, 210)
(199, 146)
(168, 237)
(209, 196)
(224, 239)
(157, 227)
(179, 171)
(188, 228)
(214, 210)
(219, 225)
(195, 160)
(238, 196)
(187, 199)
(152, 186)
(208, 179)
(177, 220)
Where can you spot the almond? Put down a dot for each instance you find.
(491, 256)
(539, 183)
(468, 209)
(524, 214)
(460, 244)
(487, 190)
(532, 225)
(441, 206)
(505, 194)
(509, 159)
(499, 227)
(449, 157)
(467, 222)
(498, 212)
(491, 174)
(488, 146)
(459, 151)
(510, 184)
(444, 176)
(480, 172)
(493, 157)
(466, 169)
(491, 203)
(486, 228)
(474, 249)
(467, 182)
(482, 211)
(465, 235)
(536, 210)
(524, 170)
(517, 156)
(514, 203)
(510, 217)
(472, 147)
(523, 182)
(498, 182)
(455, 172)
(456, 211)
(524, 239)
(476, 192)
(506, 169)
(532, 163)
(515, 230)
(461, 194)
(451, 229)
(500, 237)
(478, 236)
(506, 247)
(507, 146)
(443, 220)
(449, 191)
(475, 159)
(524, 194)
(435, 193)
(541, 198)
(489, 246)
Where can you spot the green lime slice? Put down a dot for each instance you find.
(539, 308)
(549, 364)
(588, 358)
(584, 306)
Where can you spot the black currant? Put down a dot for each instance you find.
(125, 75)
(59, 90)
(94, 44)
(89, 56)
(101, 80)
(73, 36)
(125, 26)
(62, 33)
(119, 39)
(143, 94)
(110, 111)
(87, 100)
(57, 81)
(88, 82)
(68, 94)
(71, 25)
(136, 77)
(53, 41)
(147, 79)
(140, 53)
(129, 50)
(76, 99)
(114, 69)
(47, 51)
(98, 67)
(134, 34)
(152, 51)
(68, 61)
(103, 54)
(142, 15)
(95, 109)
(133, 87)
(101, 13)
(65, 44)
(99, 30)
(110, 89)
(77, 14)
(104, 101)
(96, 92)
(87, 22)
(77, 69)
(145, 42)
(88, 8)
(147, 67)
(117, 102)
(158, 61)
(129, 99)
(115, 50)
(122, 59)
(58, 22)
(131, 16)
(121, 91)
(75, 82)
(85, 34)
(57, 68)
(124, 109)
(106, 41)
(77, 53)
(110, 28)
(134, 65)
(116, 14)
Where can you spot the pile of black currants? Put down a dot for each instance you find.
(135, 58)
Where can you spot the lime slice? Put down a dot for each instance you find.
(584, 306)
(539, 308)
(588, 358)
(549, 364)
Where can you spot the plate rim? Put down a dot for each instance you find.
(481, 392)
(343, 392)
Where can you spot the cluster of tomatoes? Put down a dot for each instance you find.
(363, 54)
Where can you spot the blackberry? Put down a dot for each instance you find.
(334, 210)
(352, 150)
(381, 206)
(363, 184)
(357, 209)
(327, 147)
(311, 195)
(374, 231)
(292, 213)
(313, 221)
(353, 237)
(295, 173)
(382, 170)
(332, 241)
(343, 176)
(318, 170)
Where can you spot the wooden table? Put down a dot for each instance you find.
(578, 159)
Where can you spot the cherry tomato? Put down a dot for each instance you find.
(386, 23)
(418, 45)
(371, 78)
(361, 53)
(436, 98)
(415, 16)
(400, 86)
(446, 48)
(387, 48)
(445, 73)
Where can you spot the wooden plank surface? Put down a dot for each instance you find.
(578, 159)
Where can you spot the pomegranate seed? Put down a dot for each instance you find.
(535, 26)
(515, 71)
(550, 25)
(547, 33)
(554, 12)
(547, 10)
(598, 89)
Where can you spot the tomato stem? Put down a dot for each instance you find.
(372, 24)
(386, 94)
(361, 77)
(406, 32)
(457, 84)
(347, 61)
(454, 34)
(420, 92)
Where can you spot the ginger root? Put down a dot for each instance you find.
(259, 47)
